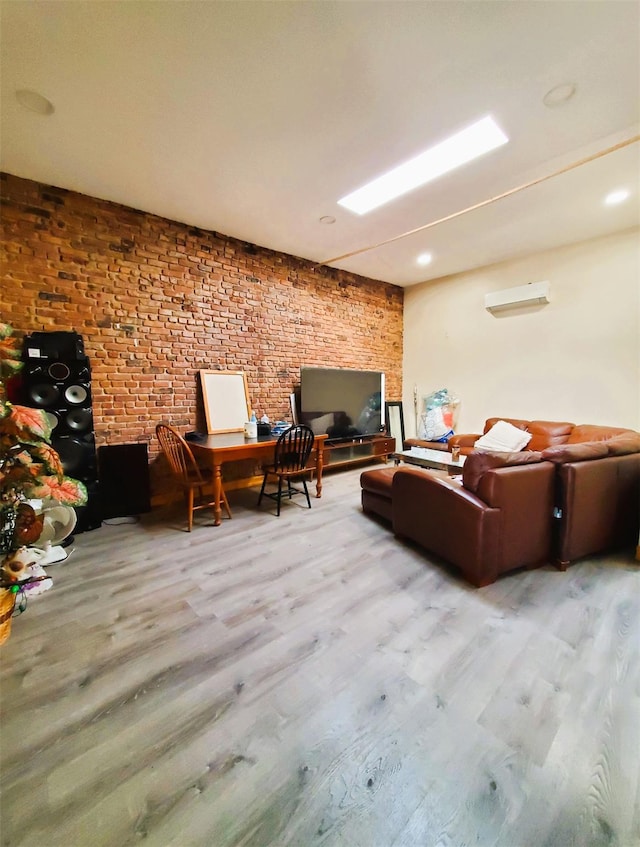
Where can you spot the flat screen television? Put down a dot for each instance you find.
(342, 403)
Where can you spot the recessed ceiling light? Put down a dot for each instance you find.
(327, 219)
(458, 149)
(34, 102)
(424, 259)
(618, 196)
(559, 95)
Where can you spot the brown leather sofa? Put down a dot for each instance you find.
(496, 523)
(544, 434)
(574, 492)
(597, 500)
(494, 519)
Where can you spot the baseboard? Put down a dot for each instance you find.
(247, 482)
(164, 498)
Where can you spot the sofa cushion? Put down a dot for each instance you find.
(591, 432)
(378, 480)
(490, 422)
(503, 437)
(543, 433)
(477, 464)
(582, 452)
(623, 444)
(548, 433)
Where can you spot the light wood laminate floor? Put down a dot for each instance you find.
(310, 680)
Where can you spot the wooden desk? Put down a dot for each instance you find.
(233, 446)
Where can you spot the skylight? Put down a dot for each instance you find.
(464, 146)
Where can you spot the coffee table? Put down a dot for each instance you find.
(424, 457)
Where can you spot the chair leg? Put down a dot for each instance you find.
(289, 490)
(279, 495)
(226, 504)
(190, 508)
(306, 491)
(264, 482)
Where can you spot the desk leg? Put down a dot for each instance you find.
(217, 494)
(319, 459)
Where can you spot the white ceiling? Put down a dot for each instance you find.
(254, 118)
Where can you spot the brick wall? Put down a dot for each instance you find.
(156, 301)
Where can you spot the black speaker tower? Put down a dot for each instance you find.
(57, 378)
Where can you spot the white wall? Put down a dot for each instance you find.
(575, 359)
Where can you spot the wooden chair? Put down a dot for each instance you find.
(185, 468)
(293, 449)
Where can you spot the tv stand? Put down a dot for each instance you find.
(361, 449)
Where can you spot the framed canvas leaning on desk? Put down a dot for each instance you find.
(217, 449)
(225, 395)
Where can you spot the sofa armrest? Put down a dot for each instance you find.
(507, 525)
(421, 442)
(524, 496)
(443, 517)
(502, 487)
(462, 440)
(599, 505)
(415, 484)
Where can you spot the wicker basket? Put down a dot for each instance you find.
(7, 602)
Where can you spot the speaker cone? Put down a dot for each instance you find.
(53, 419)
(79, 420)
(44, 394)
(73, 454)
(58, 370)
(76, 394)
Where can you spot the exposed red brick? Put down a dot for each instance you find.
(156, 301)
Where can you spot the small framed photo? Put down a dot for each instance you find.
(395, 423)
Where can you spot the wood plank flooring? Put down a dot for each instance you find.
(309, 680)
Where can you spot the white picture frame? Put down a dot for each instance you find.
(225, 396)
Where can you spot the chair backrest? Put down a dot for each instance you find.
(294, 448)
(178, 453)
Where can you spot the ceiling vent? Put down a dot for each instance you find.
(535, 293)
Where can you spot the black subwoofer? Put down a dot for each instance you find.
(57, 378)
(123, 471)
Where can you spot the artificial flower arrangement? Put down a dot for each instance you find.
(29, 469)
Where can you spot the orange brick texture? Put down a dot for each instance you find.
(156, 301)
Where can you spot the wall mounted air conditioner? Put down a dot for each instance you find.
(524, 295)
